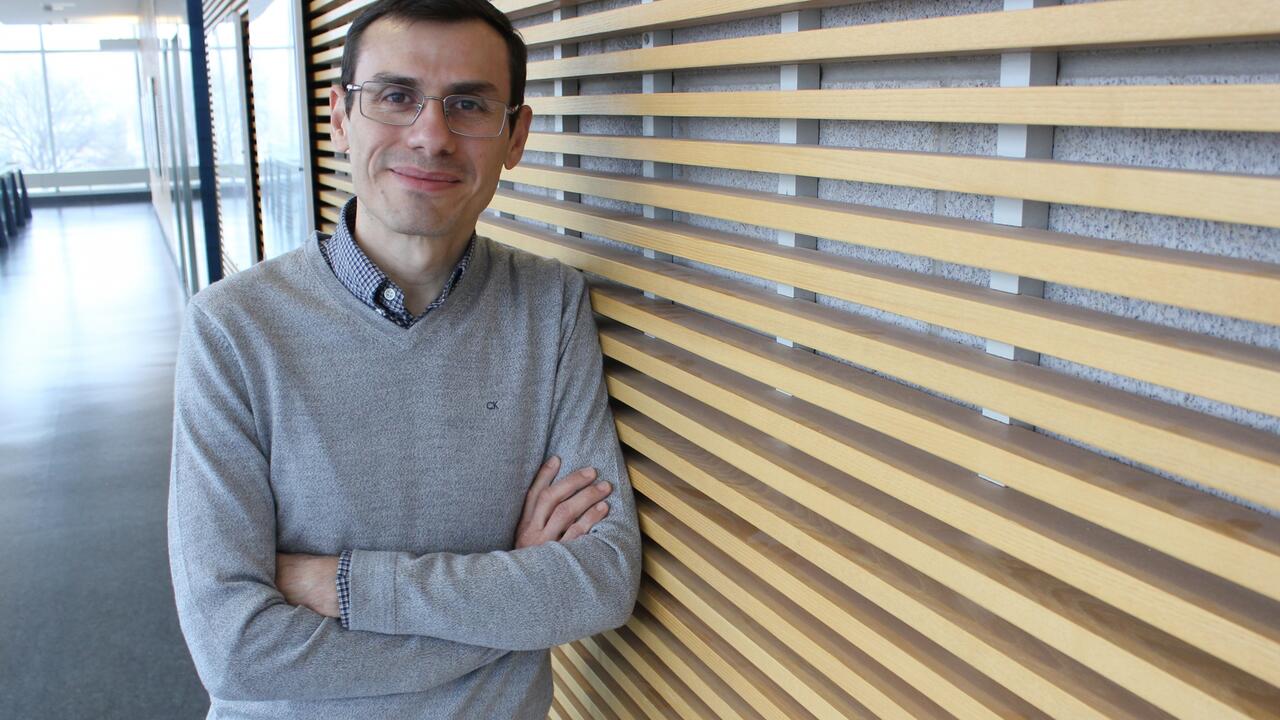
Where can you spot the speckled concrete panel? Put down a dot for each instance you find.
(532, 189)
(1251, 153)
(610, 85)
(975, 71)
(729, 129)
(537, 157)
(618, 166)
(764, 25)
(893, 10)
(594, 7)
(539, 88)
(610, 44)
(531, 20)
(610, 125)
(721, 79)
(742, 180)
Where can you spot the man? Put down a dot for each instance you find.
(352, 523)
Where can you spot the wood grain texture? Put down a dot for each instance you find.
(1248, 108)
(1118, 23)
(1256, 458)
(1250, 199)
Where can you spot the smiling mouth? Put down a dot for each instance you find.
(425, 176)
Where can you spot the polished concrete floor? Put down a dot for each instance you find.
(90, 308)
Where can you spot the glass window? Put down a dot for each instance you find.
(84, 36)
(24, 126)
(93, 103)
(19, 37)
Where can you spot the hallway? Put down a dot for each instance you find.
(90, 309)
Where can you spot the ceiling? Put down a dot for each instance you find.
(26, 12)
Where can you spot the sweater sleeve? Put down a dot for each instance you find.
(536, 597)
(246, 641)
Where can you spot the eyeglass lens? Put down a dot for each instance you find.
(464, 114)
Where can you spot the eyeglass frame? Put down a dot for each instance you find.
(511, 110)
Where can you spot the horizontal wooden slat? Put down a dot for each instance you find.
(666, 14)
(1225, 621)
(800, 636)
(702, 491)
(346, 9)
(331, 54)
(325, 38)
(815, 691)
(689, 667)
(749, 682)
(603, 684)
(834, 629)
(1117, 23)
(333, 181)
(648, 666)
(1253, 199)
(616, 667)
(578, 691)
(524, 8)
(1249, 108)
(1129, 651)
(1216, 369)
(1206, 532)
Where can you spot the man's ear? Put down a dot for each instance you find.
(338, 119)
(519, 136)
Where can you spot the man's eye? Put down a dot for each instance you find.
(396, 98)
(468, 105)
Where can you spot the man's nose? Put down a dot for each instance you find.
(431, 129)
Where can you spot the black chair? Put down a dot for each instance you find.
(26, 199)
(10, 207)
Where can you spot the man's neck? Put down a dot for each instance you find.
(418, 265)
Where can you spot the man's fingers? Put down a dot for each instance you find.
(540, 481)
(593, 515)
(569, 511)
(551, 497)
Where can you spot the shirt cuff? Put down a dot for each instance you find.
(344, 589)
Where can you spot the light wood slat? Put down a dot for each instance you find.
(1252, 199)
(330, 214)
(600, 684)
(686, 665)
(323, 128)
(578, 691)
(556, 712)
(1237, 627)
(327, 228)
(1164, 671)
(620, 671)
(1247, 108)
(623, 643)
(348, 8)
(1117, 23)
(834, 628)
(752, 685)
(329, 36)
(327, 75)
(524, 8)
(701, 492)
(573, 709)
(326, 146)
(1227, 286)
(321, 111)
(666, 14)
(333, 54)
(332, 163)
(810, 688)
(1206, 532)
(320, 93)
(319, 6)
(1216, 369)
(336, 199)
(333, 181)
(816, 688)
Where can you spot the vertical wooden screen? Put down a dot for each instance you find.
(927, 417)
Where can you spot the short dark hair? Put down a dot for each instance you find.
(438, 11)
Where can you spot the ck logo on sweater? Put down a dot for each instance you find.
(491, 405)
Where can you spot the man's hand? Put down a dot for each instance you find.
(309, 581)
(563, 511)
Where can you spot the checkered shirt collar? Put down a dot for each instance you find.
(368, 282)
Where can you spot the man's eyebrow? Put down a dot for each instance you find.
(387, 77)
(475, 87)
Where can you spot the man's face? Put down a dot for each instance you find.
(422, 179)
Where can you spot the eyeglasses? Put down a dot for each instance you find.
(468, 115)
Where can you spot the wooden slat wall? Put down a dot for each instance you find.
(823, 534)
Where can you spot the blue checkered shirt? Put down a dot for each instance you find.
(367, 282)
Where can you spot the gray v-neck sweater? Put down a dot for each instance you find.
(306, 423)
